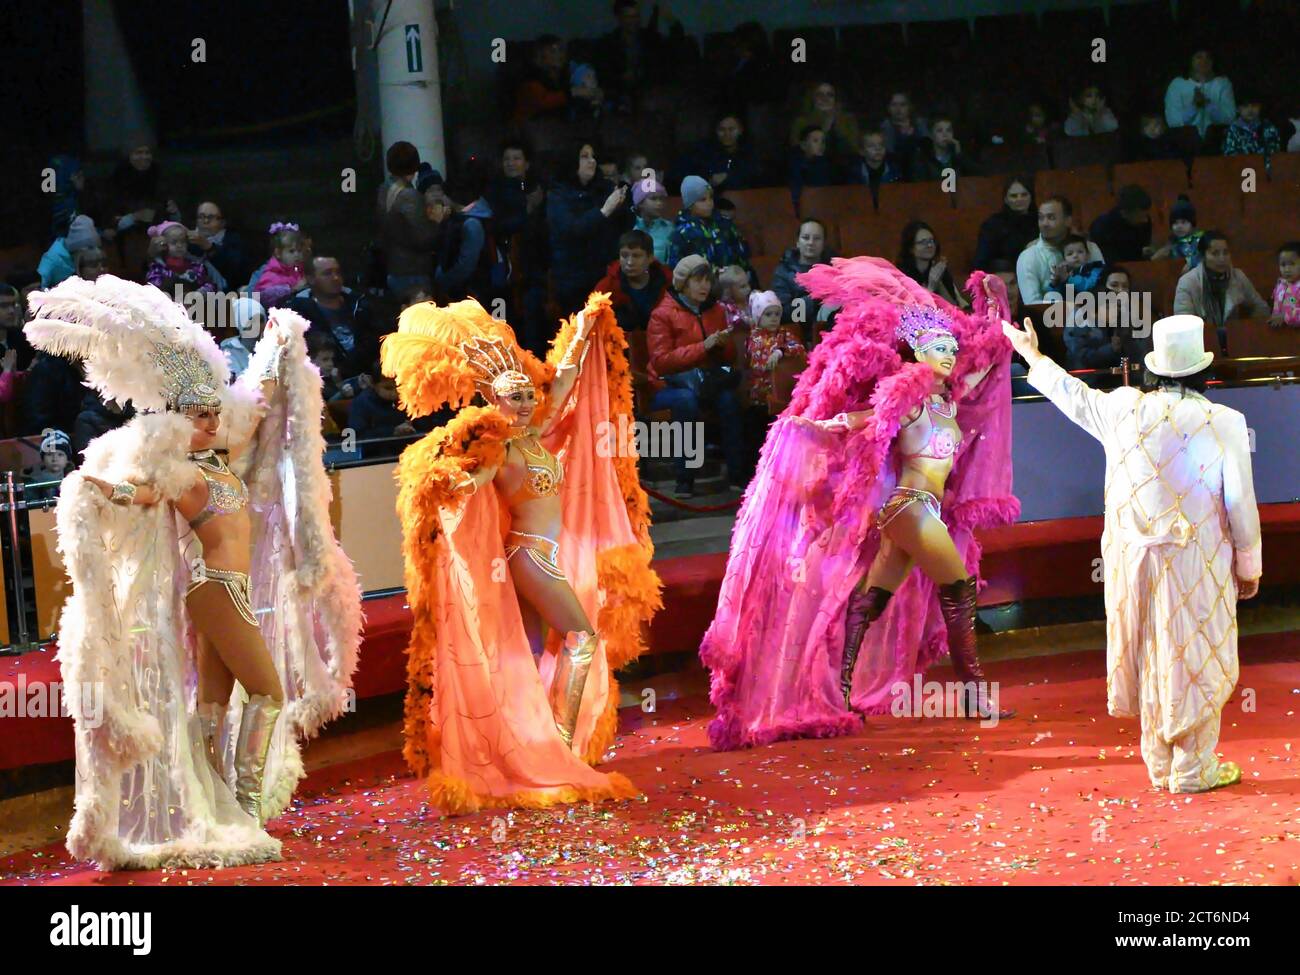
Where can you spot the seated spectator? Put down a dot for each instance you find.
(51, 395)
(1128, 316)
(648, 201)
(725, 161)
(1249, 134)
(339, 312)
(585, 216)
(1006, 233)
(636, 282)
(1155, 142)
(219, 246)
(822, 110)
(631, 57)
(1286, 293)
(698, 232)
(636, 167)
(693, 365)
(551, 87)
(1202, 98)
(734, 289)
(69, 197)
(464, 250)
(11, 327)
(903, 134)
(90, 262)
(137, 198)
(57, 263)
(280, 278)
(323, 352)
(797, 306)
(97, 416)
(1084, 276)
(920, 258)
(405, 233)
(249, 318)
(1124, 232)
(769, 342)
(56, 453)
(809, 165)
(1041, 263)
(171, 266)
(515, 194)
(1184, 239)
(1216, 291)
(875, 166)
(939, 153)
(748, 76)
(1036, 130)
(374, 414)
(1089, 113)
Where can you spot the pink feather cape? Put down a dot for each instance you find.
(805, 533)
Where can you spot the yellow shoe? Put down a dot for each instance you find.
(1229, 774)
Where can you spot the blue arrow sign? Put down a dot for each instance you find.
(414, 53)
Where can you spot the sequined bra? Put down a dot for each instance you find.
(223, 498)
(543, 473)
(943, 440)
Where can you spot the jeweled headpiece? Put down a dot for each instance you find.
(497, 369)
(189, 386)
(922, 327)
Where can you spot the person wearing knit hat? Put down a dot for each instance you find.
(648, 200)
(769, 343)
(698, 231)
(1181, 545)
(248, 318)
(57, 262)
(1124, 232)
(690, 266)
(1184, 238)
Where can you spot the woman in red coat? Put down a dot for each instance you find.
(693, 366)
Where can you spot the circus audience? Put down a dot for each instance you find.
(940, 153)
(875, 165)
(810, 248)
(1006, 233)
(284, 275)
(58, 262)
(809, 163)
(635, 282)
(1286, 293)
(1249, 134)
(1041, 264)
(1200, 99)
(920, 257)
(171, 265)
(903, 133)
(405, 233)
(725, 160)
(1217, 292)
(585, 215)
(338, 311)
(694, 366)
(698, 231)
(222, 247)
(822, 110)
(138, 198)
(1124, 232)
(1089, 114)
(1184, 239)
(648, 201)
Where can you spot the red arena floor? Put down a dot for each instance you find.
(1057, 795)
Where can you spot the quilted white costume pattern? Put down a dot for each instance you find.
(1181, 526)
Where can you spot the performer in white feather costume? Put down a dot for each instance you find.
(201, 553)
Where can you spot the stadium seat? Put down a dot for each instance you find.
(1285, 170)
(868, 236)
(1008, 159)
(1225, 174)
(833, 202)
(764, 265)
(914, 199)
(778, 235)
(1157, 278)
(1074, 152)
(756, 207)
(1271, 216)
(980, 194)
(1260, 266)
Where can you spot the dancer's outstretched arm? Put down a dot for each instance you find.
(566, 375)
(126, 492)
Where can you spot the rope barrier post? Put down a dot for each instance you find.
(17, 609)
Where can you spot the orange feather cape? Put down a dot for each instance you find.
(478, 725)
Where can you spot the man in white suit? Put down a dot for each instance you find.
(1181, 544)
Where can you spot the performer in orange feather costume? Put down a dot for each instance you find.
(527, 548)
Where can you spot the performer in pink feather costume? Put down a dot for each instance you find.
(872, 425)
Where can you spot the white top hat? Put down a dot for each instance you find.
(1179, 342)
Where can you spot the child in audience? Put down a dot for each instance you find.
(635, 168)
(283, 273)
(374, 413)
(1286, 294)
(809, 164)
(171, 264)
(1155, 142)
(1249, 134)
(1184, 238)
(648, 200)
(735, 288)
(56, 454)
(1036, 130)
(769, 342)
(1089, 114)
(1085, 276)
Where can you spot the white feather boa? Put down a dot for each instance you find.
(145, 797)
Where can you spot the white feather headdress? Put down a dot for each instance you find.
(136, 343)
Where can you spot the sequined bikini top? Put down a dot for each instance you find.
(223, 498)
(944, 438)
(543, 473)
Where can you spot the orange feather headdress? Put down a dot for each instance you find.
(443, 355)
